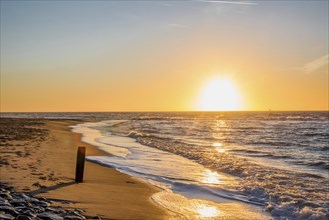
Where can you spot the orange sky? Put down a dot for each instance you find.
(157, 56)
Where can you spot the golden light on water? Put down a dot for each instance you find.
(217, 144)
(218, 147)
(206, 211)
(220, 150)
(211, 177)
(219, 94)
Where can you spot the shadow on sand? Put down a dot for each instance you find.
(46, 189)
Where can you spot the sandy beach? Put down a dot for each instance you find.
(38, 157)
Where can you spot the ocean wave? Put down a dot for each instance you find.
(276, 183)
(280, 190)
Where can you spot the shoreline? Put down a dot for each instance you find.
(48, 170)
(48, 167)
(182, 205)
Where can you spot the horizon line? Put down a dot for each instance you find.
(178, 111)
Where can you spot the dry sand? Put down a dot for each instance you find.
(38, 156)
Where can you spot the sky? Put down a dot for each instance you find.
(161, 55)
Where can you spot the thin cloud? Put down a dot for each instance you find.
(230, 2)
(316, 64)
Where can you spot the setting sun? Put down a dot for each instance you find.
(219, 94)
(204, 107)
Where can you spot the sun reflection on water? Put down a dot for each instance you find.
(220, 150)
(218, 125)
(217, 144)
(206, 211)
(211, 177)
(219, 128)
(218, 147)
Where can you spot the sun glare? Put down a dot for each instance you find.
(219, 95)
(211, 177)
(206, 211)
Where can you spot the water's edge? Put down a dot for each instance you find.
(185, 204)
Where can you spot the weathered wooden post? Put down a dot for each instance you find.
(80, 164)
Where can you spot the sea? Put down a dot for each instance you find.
(277, 161)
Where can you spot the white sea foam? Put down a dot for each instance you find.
(169, 171)
(94, 137)
(177, 156)
(134, 158)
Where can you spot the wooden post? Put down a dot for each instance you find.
(80, 164)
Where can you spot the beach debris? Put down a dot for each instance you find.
(22, 206)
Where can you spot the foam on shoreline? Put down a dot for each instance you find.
(196, 185)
